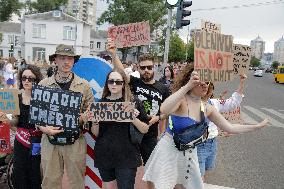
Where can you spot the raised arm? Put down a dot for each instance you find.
(111, 47)
(240, 90)
(221, 122)
(172, 103)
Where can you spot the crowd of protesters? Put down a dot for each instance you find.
(176, 102)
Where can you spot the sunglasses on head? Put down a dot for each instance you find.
(148, 67)
(30, 79)
(112, 82)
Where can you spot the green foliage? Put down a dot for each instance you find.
(254, 62)
(177, 49)
(46, 5)
(7, 8)
(190, 51)
(275, 64)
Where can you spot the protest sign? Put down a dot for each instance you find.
(112, 111)
(210, 27)
(55, 107)
(213, 56)
(9, 101)
(241, 59)
(129, 35)
(233, 116)
(5, 145)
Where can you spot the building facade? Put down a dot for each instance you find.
(98, 42)
(84, 10)
(257, 47)
(279, 51)
(10, 40)
(42, 32)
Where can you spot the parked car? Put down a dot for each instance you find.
(258, 73)
(279, 75)
(268, 70)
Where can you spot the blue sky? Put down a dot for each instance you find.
(244, 24)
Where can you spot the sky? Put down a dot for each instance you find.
(245, 23)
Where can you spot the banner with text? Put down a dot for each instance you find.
(112, 111)
(55, 107)
(210, 27)
(5, 144)
(129, 35)
(9, 101)
(241, 59)
(213, 56)
(233, 116)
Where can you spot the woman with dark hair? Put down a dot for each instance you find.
(174, 161)
(26, 169)
(117, 158)
(168, 77)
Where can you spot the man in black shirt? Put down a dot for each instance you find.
(152, 93)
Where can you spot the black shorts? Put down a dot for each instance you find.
(146, 147)
(125, 177)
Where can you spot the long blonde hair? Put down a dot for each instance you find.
(126, 92)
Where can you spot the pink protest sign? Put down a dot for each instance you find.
(129, 35)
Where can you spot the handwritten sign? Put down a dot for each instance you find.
(5, 145)
(9, 101)
(112, 111)
(241, 59)
(129, 35)
(233, 116)
(213, 56)
(55, 107)
(210, 27)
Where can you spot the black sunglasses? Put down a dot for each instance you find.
(30, 79)
(148, 67)
(112, 82)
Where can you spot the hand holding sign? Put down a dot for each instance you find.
(111, 47)
(50, 130)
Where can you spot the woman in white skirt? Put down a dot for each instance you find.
(169, 168)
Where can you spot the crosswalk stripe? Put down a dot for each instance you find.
(260, 114)
(280, 115)
(211, 186)
(247, 118)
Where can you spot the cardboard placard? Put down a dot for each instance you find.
(213, 56)
(5, 144)
(9, 101)
(129, 35)
(55, 107)
(241, 59)
(233, 116)
(112, 111)
(210, 27)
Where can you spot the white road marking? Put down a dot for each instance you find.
(280, 115)
(247, 118)
(210, 186)
(262, 115)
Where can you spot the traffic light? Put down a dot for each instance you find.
(181, 13)
(11, 47)
(171, 3)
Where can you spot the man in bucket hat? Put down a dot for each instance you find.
(71, 156)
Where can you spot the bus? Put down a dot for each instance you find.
(279, 75)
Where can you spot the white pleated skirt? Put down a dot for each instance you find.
(167, 166)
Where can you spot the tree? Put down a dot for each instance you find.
(275, 64)
(190, 51)
(177, 49)
(125, 11)
(46, 5)
(7, 8)
(254, 62)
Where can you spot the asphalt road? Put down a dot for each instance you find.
(254, 160)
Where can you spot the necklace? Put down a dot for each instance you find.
(61, 79)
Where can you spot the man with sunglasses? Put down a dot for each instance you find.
(70, 154)
(152, 93)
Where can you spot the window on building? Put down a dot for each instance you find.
(38, 54)
(17, 40)
(91, 44)
(68, 33)
(11, 39)
(98, 45)
(11, 53)
(19, 53)
(39, 30)
(1, 52)
(56, 13)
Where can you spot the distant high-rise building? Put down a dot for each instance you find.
(279, 50)
(257, 47)
(84, 9)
